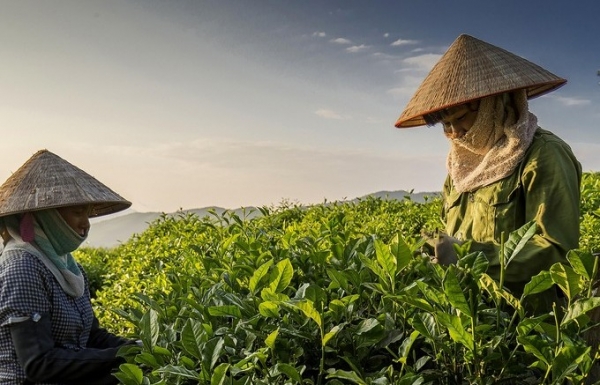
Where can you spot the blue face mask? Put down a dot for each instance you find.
(59, 234)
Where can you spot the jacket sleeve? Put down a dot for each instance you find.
(42, 361)
(100, 338)
(550, 181)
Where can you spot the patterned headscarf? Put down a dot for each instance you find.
(495, 144)
(47, 235)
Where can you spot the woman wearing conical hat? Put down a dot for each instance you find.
(48, 331)
(503, 169)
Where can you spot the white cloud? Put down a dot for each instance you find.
(386, 35)
(400, 42)
(340, 40)
(357, 48)
(373, 120)
(319, 34)
(402, 92)
(406, 69)
(384, 56)
(568, 101)
(411, 74)
(329, 114)
(406, 88)
(425, 62)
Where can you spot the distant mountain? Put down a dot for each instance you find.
(116, 229)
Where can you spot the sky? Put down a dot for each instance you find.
(186, 104)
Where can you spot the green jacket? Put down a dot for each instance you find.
(545, 187)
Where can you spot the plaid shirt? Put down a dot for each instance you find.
(27, 288)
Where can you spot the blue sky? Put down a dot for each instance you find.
(187, 104)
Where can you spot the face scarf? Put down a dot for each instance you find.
(53, 241)
(494, 146)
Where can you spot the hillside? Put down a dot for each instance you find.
(114, 230)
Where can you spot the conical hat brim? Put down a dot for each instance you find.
(473, 69)
(48, 181)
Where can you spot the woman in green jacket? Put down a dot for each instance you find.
(503, 169)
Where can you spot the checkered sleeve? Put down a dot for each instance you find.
(25, 288)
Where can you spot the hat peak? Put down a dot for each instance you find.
(472, 69)
(46, 180)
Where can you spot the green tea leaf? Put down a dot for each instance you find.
(271, 338)
(162, 351)
(226, 245)
(225, 311)
(311, 292)
(541, 348)
(193, 337)
(406, 345)
(375, 268)
(147, 359)
(329, 335)
(338, 279)
(349, 299)
(219, 375)
(187, 362)
(538, 283)
(367, 325)
(417, 302)
(289, 371)
(456, 329)
(567, 279)
(517, 240)
(269, 309)
(579, 308)
(258, 275)
(346, 375)
(455, 293)
(386, 260)
(268, 294)
(149, 329)
(568, 360)
(425, 324)
(498, 293)
(477, 262)
(179, 371)
(309, 310)
(281, 276)
(402, 253)
(480, 264)
(211, 353)
(432, 294)
(246, 362)
(582, 263)
(130, 374)
(527, 325)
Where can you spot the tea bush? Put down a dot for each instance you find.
(337, 293)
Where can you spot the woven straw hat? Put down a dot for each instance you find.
(473, 69)
(46, 181)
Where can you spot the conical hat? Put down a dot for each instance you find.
(47, 181)
(472, 69)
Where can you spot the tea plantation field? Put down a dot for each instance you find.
(338, 293)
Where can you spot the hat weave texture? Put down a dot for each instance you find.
(48, 181)
(473, 69)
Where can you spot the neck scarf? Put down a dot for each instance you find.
(53, 242)
(494, 146)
